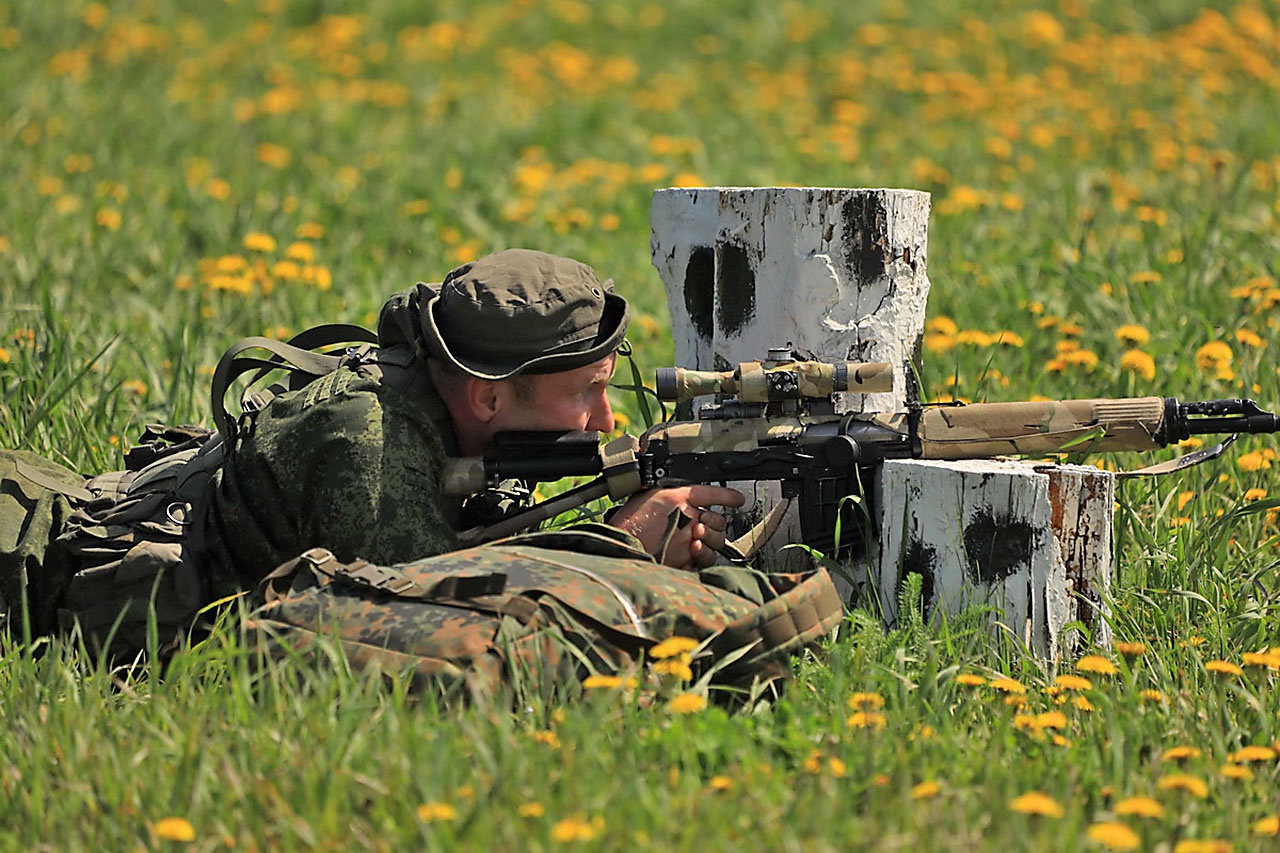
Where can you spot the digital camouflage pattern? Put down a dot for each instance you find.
(553, 606)
(348, 463)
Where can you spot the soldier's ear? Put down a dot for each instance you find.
(483, 399)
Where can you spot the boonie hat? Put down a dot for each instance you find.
(522, 311)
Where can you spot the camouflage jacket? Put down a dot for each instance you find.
(348, 463)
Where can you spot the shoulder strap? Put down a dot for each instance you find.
(296, 355)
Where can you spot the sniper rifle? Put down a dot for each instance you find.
(777, 420)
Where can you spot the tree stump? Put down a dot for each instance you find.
(841, 274)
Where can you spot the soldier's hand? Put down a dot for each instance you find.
(696, 538)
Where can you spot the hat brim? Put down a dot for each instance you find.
(613, 328)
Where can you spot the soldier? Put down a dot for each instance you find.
(353, 461)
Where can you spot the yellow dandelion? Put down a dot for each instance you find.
(1082, 704)
(1183, 782)
(436, 812)
(602, 682)
(1268, 826)
(1254, 494)
(1008, 685)
(1202, 845)
(4, 356)
(941, 325)
(1096, 664)
(1132, 650)
(1247, 754)
(1051, 720)
(673, 646)
(1250, 338)
(548, 737)
(175, 829)
(970, 679)
(1139, 807)
(866, 702)
(866, 720)
(532, 809)
(1180, 753)
(1223, 667)
(720, 783)
(300, 251)
(1270, 659)
(310, 231)
(1114, 835)
(1139, 363)
(687, 703)
(926, 790)
(577, 828)
(1073, 682)
(1235, 771)
(256, 241)
(677, 668)
(1213, 356)
(1132, 335)
(1037, 803)
(1254, 460)
(108, 218)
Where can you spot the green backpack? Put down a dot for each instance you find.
(554, 607)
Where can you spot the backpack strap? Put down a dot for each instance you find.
(297, 355)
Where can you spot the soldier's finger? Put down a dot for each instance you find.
(713, 520)
(704, 495)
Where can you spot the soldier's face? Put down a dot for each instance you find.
(572, 400)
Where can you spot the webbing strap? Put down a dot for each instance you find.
(297, 354)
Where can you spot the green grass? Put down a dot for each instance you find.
(1093, 167)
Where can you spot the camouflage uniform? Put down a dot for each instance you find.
(348, 463)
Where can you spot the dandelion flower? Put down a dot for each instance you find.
(1131, 650)
(1271, 660)
(1235, 771)
(866, 720)
(1037, 803)
(866, 702)
(1139, 807)
(1179, 753)
(970, 679)
(531, 810)
(175, 829)
(673, 646)
(598, 682)
(1202, 845)
(1008, 685)
(1269, 826)
(720, 783)
(1223, 667)
(1183, 782)
(1114, 835)
(433, 812)
(577, 828)
(256, 241)
(926, 790)
(1246, 754)
(1132, 335)
(1096, 664)
(1073, 682)
(1139, 363)
(687, 703)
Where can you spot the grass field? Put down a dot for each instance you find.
(1105, 221)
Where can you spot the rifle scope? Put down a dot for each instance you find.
(754, 382)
